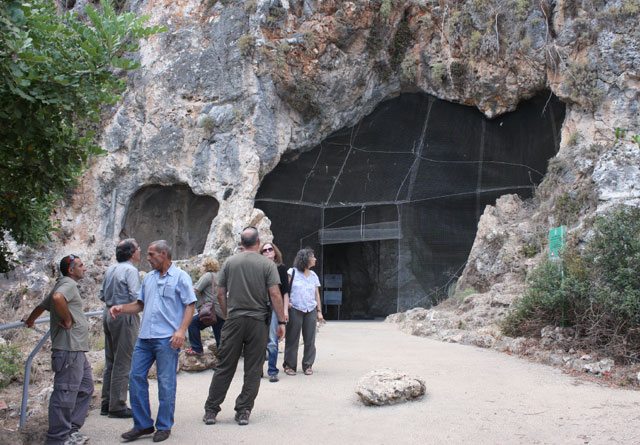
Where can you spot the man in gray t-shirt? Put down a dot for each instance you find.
(73, 382)
(251, 280)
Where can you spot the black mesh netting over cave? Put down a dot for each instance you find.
(392, 204)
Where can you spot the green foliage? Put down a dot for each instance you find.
(10, 364)
(375, 40)
(458, 72)
(439, 72)
(246, 44)
(386, 8)
(597, 291)
(582, 83)
(56, 75)
(567, 207)
(408, 67)
(475, 43)
(622, 133)
(630, 8)
(399, 44)
(207, 123)
(522, 8)
(465, 293)
(530, 250)
(276, 15)
(250, 6)
(572, 141)
(300, 95)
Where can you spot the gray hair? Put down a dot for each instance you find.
(303, 259)
(161, 246)
(125, 249)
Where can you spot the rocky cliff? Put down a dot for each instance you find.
(234, 85)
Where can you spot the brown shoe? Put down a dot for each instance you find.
(132, 434)
(161, 435)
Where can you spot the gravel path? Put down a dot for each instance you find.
(474, 396)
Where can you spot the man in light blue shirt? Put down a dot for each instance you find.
(168, 301)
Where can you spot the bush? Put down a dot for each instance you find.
(246, 44)
(596, 290)
(10, 364)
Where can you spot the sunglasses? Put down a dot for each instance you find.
(268, 249)
(70, 258)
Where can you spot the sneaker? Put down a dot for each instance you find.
(104, 409)
(192, 352)
(274, 378)
(132, 434)
(209, 417)
(242, 417)
(76, 438)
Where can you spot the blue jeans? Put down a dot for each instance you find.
(272, 346)
(146, 351)
(194, 332)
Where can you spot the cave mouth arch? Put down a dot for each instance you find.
(173, 213)
(392, 203)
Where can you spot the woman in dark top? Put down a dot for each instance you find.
(271, 251)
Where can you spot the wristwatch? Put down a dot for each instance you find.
(282, 322)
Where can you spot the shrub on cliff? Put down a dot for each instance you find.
(596, 290)
(56, 75)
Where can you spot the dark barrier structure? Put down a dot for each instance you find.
(392, 203)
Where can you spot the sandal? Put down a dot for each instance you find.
(308, 371)
(289, 371)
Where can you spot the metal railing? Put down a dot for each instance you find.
(27, 366)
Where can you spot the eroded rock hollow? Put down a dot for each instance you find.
(172, 213)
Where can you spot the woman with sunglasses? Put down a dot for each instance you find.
(271, 251)
(304, 312)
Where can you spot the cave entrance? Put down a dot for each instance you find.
(393, 202)
(172, 213)
(369, 287)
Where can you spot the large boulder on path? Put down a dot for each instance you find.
(389, 386)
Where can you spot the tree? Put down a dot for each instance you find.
(57, 74)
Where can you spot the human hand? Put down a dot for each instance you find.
(320, 317)
(281, 332)
(115, 310)
(177, 340)
(26, 321)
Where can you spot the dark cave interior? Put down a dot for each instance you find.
(392, 203)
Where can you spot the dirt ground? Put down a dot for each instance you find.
(474, 396)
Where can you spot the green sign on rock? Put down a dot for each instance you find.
(557, 241)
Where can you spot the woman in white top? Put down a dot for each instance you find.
(303, 309)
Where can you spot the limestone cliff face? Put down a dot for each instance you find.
(235, 84)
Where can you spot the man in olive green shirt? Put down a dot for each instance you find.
(252, 280)
(73, 382)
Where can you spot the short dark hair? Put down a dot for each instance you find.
(66, 262)
(125, 249)
(249, 236)
(303, 259)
